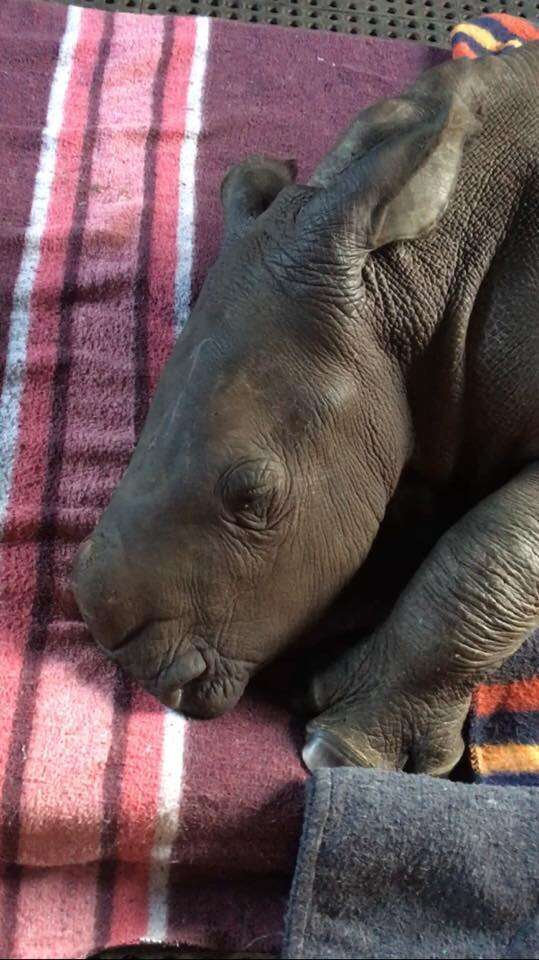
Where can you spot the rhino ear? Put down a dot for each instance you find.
(250, 187)
(393, 174)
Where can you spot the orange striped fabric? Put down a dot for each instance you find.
(491, 33)
(518, 696)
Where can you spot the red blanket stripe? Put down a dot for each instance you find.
(123, 693)
(462, 49)
(97, 109)
(42, 605)
(154, 299)
(517, 696)
(518, 26)
(35, 480)
(19, 154)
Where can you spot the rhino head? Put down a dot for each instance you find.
(280, 426)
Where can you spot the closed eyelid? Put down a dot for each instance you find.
(247, 472)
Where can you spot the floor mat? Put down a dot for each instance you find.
(430, 21)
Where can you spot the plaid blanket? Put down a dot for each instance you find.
(120, 820)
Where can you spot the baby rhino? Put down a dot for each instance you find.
(375, 328)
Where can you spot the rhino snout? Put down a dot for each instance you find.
(100, 585)
(128, 628)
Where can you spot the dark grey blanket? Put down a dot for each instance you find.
(401, 866)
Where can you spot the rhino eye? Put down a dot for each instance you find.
(250, 495)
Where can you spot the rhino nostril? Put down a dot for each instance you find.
(189, 666)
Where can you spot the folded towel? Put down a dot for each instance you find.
(393, 866)
(120, 820)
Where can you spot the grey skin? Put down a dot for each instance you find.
(374, 330)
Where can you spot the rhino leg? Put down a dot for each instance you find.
(399, 699)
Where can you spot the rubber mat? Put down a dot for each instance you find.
(430, 21)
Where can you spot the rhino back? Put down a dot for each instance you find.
(460, 308)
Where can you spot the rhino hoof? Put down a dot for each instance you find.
(323, 750)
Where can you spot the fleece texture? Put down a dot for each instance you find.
(400, 867)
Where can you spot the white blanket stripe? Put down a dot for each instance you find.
(169, 803)
(19, 323)
(188, 156)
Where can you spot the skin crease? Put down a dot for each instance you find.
(347, 433)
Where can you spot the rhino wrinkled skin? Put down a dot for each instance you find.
(353, 406)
